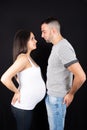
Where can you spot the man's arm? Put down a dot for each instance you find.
(79, 79)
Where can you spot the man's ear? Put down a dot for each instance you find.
(54, 30)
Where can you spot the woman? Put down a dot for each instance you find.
(31, 89)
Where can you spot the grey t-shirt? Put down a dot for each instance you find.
(59, 78)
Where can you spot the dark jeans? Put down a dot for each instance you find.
(23, 118)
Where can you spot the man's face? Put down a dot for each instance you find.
(46, 32)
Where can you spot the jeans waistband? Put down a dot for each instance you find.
(52, 98)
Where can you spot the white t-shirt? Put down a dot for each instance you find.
(32, 88)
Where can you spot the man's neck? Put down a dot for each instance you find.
(57, 39)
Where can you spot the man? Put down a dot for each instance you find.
(64, 74)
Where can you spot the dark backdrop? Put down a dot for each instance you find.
(15, 15)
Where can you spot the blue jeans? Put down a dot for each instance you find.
(23, 118)
(56, 111)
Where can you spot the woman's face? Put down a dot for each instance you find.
(32, 42)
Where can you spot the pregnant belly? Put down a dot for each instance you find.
(31, 97)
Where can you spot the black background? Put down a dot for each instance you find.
(72, 15)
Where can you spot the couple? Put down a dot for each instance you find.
(61, 86)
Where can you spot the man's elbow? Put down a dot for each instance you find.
(83, 78)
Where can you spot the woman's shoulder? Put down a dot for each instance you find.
(22, 58)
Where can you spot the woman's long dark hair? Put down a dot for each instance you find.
(20, 42)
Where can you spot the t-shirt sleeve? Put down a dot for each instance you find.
(67, 55)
